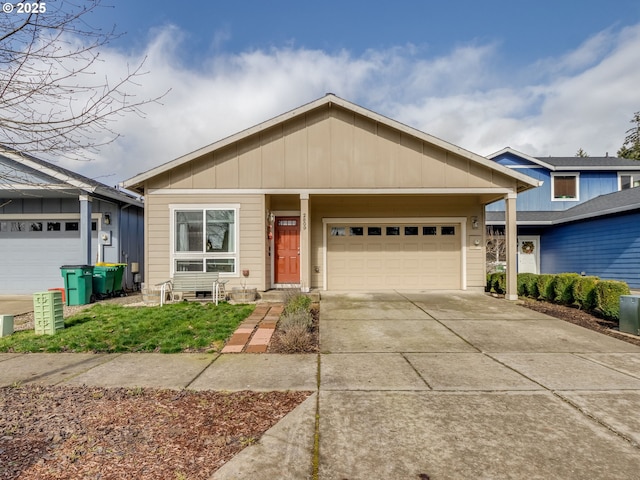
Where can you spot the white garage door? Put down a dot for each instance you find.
(394, 256)
(32, 252)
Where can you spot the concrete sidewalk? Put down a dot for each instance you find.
(413, 385)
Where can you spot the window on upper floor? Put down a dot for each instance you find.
(628, 180)
(565, 186)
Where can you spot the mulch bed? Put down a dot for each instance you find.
(100, 433)
(581, 318)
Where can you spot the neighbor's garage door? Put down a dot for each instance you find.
(33, 250)
(394, 256)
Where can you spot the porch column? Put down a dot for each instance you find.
(305, 254)
(511, 234)
(85, 229)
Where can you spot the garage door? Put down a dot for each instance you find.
(394, 256)
(32, 252)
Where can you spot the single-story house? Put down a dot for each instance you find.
(51, 216)
(329, 196)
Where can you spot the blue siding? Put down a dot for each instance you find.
(592, 184)
(606, 247)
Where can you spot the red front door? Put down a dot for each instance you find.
(287, 249)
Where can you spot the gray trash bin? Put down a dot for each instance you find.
(630, 314)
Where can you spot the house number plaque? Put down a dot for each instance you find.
(304, 221)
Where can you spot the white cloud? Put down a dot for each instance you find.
(584, 99)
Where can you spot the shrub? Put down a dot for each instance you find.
(563, 288)
(498, 281)
(297, 302)
(296, 339)
(584, 292)
(298, 318)
(545, 287)
(527, 285)
(608, 297)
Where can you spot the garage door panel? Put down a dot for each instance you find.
(381, 262)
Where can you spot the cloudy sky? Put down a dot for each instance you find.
(543, 78)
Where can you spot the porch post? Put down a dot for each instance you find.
(511, 237)
(85, 229)
(305, 256)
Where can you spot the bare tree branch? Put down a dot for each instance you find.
(52, 98)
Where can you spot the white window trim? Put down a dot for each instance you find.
(173, 256)
(630, 174)
(565, 174)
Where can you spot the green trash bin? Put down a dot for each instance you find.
(78, 284)
(103, 280)
(117, 278)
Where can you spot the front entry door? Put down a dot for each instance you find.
(529, 254)
(287, 250)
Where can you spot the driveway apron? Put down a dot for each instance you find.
(457, 385)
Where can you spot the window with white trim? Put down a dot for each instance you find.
(628, 180)
(565, 186)
(205, 239)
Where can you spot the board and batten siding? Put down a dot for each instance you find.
(606, 247)
(251, 235)
(330, 148)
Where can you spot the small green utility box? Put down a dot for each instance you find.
(48, 314)
(78, 283)
(630, 314)
(6, 325)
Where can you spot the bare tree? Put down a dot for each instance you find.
(51, 97)
(496, 250)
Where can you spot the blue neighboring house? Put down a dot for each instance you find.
(584, 218)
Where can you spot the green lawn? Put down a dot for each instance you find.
(179, 327)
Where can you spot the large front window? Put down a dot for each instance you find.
(205, 239)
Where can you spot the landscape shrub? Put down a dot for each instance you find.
(297, 302)
(563, 288)
(584, 294)
(608, 297)
(295, 326)
(545, 283)
(498, 283)
(297, 318)
(296, 339)
(526, 285)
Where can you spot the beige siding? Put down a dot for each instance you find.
(331, 148)
(366, 206)
(252, 240)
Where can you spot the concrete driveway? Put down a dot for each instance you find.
(461, 385)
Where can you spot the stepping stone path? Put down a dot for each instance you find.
(254, 333)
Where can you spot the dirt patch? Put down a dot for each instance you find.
(97, 433)
(582, 318)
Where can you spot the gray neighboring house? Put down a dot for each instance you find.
(50, 216)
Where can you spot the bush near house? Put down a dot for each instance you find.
(589, 293)
(608, 297)
(496, 282)
(546, 284)
(295, 326)
(563, 288)
(584, 294)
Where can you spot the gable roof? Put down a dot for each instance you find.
(23, 172)
(574, 163)
(136, 183)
